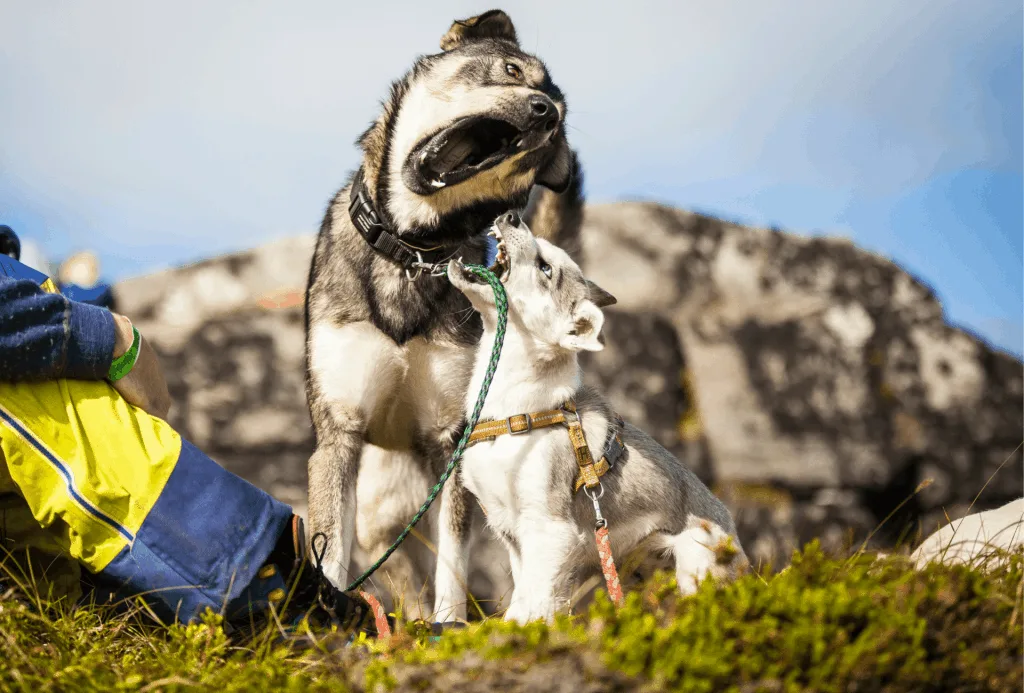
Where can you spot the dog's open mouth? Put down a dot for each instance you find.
(502, 262)
(466, 148)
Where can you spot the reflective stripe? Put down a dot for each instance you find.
(65, 471)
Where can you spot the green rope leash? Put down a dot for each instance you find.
(501, 301)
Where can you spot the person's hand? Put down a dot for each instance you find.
(144, 386)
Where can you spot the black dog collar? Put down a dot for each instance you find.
(386, 242)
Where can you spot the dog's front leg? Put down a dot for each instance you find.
(353, 369)
(546, 546)
(516, 566)
(333, 469)
(452, 552)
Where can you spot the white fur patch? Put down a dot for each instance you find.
(452, 571)
(355, 365)
(694, 552)
(435, 381)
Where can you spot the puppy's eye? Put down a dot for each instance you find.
(513, 71)
(544, 267)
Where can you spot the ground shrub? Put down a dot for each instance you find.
(824, 624)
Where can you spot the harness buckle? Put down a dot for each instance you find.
(512, 431)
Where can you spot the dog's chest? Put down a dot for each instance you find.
(511, 477)
(434, 382)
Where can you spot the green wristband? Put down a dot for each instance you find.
(124, 363)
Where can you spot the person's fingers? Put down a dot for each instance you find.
(144, 386)
(123, 335)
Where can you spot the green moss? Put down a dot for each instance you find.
(823, 625)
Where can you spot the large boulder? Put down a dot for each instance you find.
(820, 381)
(815, 386)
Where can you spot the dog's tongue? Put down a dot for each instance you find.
(452, 153)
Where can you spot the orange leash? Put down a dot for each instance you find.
(379, 615)
(611, 575)
(604, 548)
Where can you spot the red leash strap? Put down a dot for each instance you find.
(611, 575)
(380, 616)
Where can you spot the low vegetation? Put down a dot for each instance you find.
(824, 624)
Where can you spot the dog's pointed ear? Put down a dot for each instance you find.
(560, 171)
(600, 297)
(585, 334)
(491, 24)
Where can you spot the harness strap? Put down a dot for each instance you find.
(612, 453)
(516, 425)
(590, 472)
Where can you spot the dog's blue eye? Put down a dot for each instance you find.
(545, 268)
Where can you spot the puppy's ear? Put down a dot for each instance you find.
(600, 297)
(561, 170)
(491, 24)
(586, 329)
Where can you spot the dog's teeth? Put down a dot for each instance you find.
(492, 233)
(437, 183)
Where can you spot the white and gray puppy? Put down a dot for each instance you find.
(525, 482)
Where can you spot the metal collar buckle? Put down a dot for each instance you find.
(512, 431)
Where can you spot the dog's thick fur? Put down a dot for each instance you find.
(388, 359)
(525, 481)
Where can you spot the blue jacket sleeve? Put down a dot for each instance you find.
(45, 336)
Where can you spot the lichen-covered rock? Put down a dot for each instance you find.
(975, 538)
(813, 364)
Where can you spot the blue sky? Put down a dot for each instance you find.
(157, 134)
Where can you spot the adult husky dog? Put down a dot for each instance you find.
(462, 138)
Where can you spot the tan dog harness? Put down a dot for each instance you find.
(588, 477)
(590, 472)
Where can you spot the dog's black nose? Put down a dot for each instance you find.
(512, 219)
(542, 110)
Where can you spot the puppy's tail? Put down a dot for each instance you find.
(558, 217)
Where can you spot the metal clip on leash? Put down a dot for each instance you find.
(421, 267)
(595, 497)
